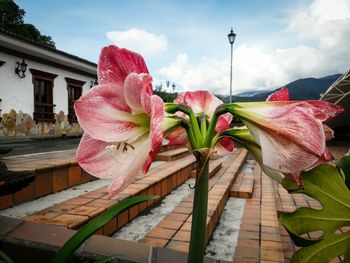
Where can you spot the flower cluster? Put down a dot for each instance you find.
(125, 125)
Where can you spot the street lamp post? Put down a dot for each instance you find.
(231, 39)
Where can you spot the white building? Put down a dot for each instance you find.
(39, 100)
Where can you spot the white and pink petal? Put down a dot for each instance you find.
(137, 92)
(104, 115)
(115, 64)
(279, 95)
(106, 160)
(200, 101)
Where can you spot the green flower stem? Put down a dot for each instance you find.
(215, 139)
(190, 135)
(203, 123)
(173, 107)
(211, 129)
(199, 217)
(194, 125)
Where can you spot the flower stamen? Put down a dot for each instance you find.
(113, 149)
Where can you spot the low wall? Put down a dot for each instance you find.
(20, 124)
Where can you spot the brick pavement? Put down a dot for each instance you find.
(261, 238)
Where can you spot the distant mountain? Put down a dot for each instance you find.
(301, 89)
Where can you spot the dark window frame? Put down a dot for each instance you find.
(74, 91)
(43, 110)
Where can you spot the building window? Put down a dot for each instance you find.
(75, 88)
(43, 84)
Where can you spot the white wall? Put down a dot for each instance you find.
(18, 94)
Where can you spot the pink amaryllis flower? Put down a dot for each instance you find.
(203, 102)
(283, 95)
(123, 122)
(291, 134)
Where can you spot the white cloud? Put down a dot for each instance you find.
(324, 22)
(208, 74)
(139, 41)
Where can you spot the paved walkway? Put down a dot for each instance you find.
(262, 238)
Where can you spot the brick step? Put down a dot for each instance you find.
(76, 212)
(244, 184)
(172, 155)
(55, 171)
(214, 167)
(174, 230)
(259, 237)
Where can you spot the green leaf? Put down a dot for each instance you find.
(90, 228)
(4, 257)
(325, 184)
(344, 165)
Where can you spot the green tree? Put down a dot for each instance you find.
(12, 20)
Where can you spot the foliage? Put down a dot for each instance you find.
(12, 15)
(5, 258)
(344, 168)
(89, 229)
(326, 184)
(166, 97)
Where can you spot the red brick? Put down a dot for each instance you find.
(171, 224)
(271, 255)
(41, 217)
(70, 221)
(150, 191)
(177, 217)
(93, 194)
(99, 232)
(179, 246)
(60, 179)
(186, 204)
(182, 236)
(183, 210)
(143, 205)
(102, 203)
(86, 177)
(60, 208)
(244, 260)
(163, 233)
(271, 245)
(186, 226)
(74, 175)
(26, 194)
(164, 187)
(174, 181)
(78, 201)
(270, 237)
(158, 242)
(158, 189)
(43, 183)
(110, 227)
(247, 252)
(123, 218)
(248, 234)
(133, 212)
(6, 201)
(90, 211)
(252, 243)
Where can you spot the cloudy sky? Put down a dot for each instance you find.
(186, 42)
